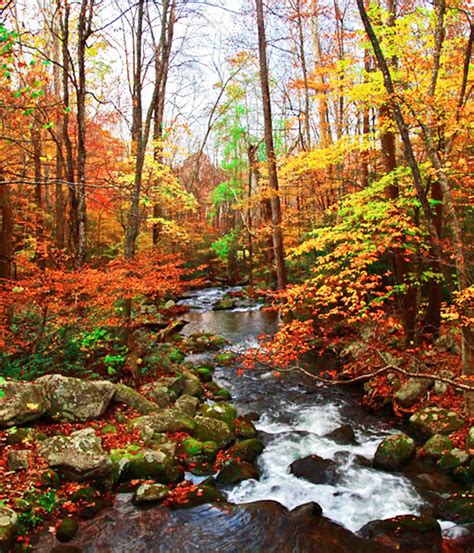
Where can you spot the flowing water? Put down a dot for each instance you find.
(295, 416)
(295, 422)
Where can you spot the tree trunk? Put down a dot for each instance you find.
(84, 32)
(322, 93)
(278, 247)
(6, 230)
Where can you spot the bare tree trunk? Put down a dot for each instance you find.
(6, 230)
(162, 61)
(69, 157)
(322, 97)
(84, 32)
(278, 246)
(302, 56)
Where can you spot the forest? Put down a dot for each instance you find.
(236, 276)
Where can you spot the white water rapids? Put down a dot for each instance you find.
(294, 424)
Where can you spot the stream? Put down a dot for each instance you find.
(295, 417)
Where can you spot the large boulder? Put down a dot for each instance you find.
(234, 472)
(214, 430)
(145, 464)
(135, 400)
(187, 404)
(78, 457)
(315, 469)
(458, 508)
(246, 450)
(436, 446)
(245, 429)
(76, 400)
(435, 420)
(402, 532)
(394, 451)
(342, 435)
(8, 527)
(170, 420)
(412, 391)
(221, 411)
(21, 402)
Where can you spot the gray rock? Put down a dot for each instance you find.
(79, 456)
(187, 404)
(158, 393)
(21, 402)
(151, 493)
(76, 400)
(192, 386)
(135, 400)
(18, 459)
(215, 430)
(412, 391)
(447, 342)
(170, 420)
(8, 527)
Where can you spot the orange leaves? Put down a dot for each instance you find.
(84, 297)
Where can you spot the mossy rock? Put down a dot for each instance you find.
(245, 429)
(9, 524)
(170, 420)
(67, 529)
(403, 531)
(187, 404)
(434, 420)
(221, 411)
(247, 450)
(215, 430)
(192, 385)
(458, 508)
(234, 472)
(159, 394)
(150, 493)
(130, 397)
(465, 474)
(200, 466)
(177, 356)
(146, 464)
(453, 459)
(225, 358)
(201, 342)
(17, 436)
(204, 374)
(437, 446)
(190, 447)
(394, 451)
(200, 496)
(224, 304)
